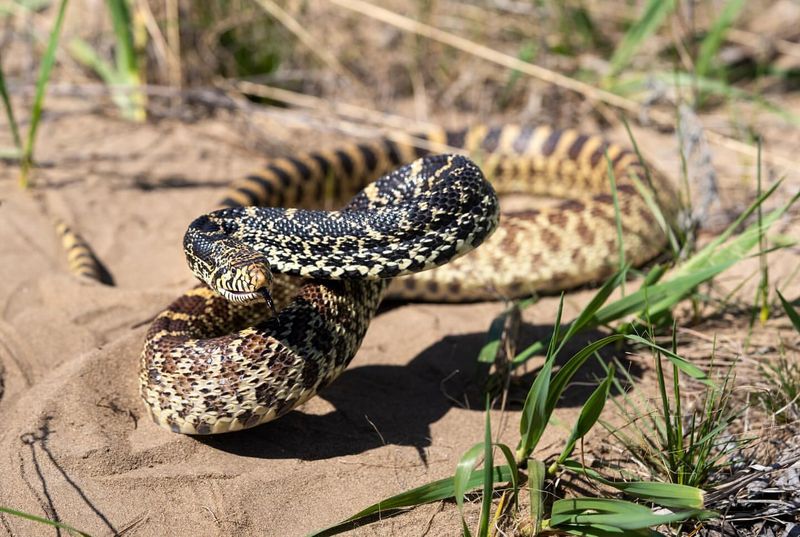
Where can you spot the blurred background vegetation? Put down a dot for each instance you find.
(428, 60)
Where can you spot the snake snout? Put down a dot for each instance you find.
(244, 277)
(260, 277)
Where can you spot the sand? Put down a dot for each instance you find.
(75, 442)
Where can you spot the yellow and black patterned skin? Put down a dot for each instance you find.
(211, 365)
(80, 257)
(416, 217)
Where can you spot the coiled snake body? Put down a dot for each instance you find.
(213, 365)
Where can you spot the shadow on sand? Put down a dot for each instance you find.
(389, 404)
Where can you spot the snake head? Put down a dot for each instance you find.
(234, 270)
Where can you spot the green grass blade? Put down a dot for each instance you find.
(663, 296)
(48, 60)
(86, 55)
(582, 320)
(545, 393)
(649, 198)
(512, 464)
(536, 475)
(488, 464)
(534, 414)
(430, 492)
(598, 300)
(654, 14)
(589, 415)
(616, 513)
(665, 494)
(12, 122)
(131, 100)
(599, 530)
(790, 311)
(464, 469)
(715, 36)
(124, 49)
(617, 215)
(678, 361)
(568, 370)
(41, 520)
(534, 417)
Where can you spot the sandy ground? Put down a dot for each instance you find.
(75, 443)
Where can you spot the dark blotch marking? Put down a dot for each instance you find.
(203, 428)
(491, 140)
(432, 287)
(551, 143)
(325, 165)
(622, 154)
(572, 206)
(346, 162)
(626, 188)
(251, 420)
(252, 197)
(283, 176)
(557, 218)
(551, 239)
(585, 233)
(310, 372)
(647, 216)
(528, 214)
(577, 146)
(370, 160)
(392, 151)
(598, 154)
(271, 196)
(456, 138)
(606, 199)
(301, 169)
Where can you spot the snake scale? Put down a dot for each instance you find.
(212, 365)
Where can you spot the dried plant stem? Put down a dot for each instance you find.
(160, 47)
(174, 39)
(546, 75)
(494, 56)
